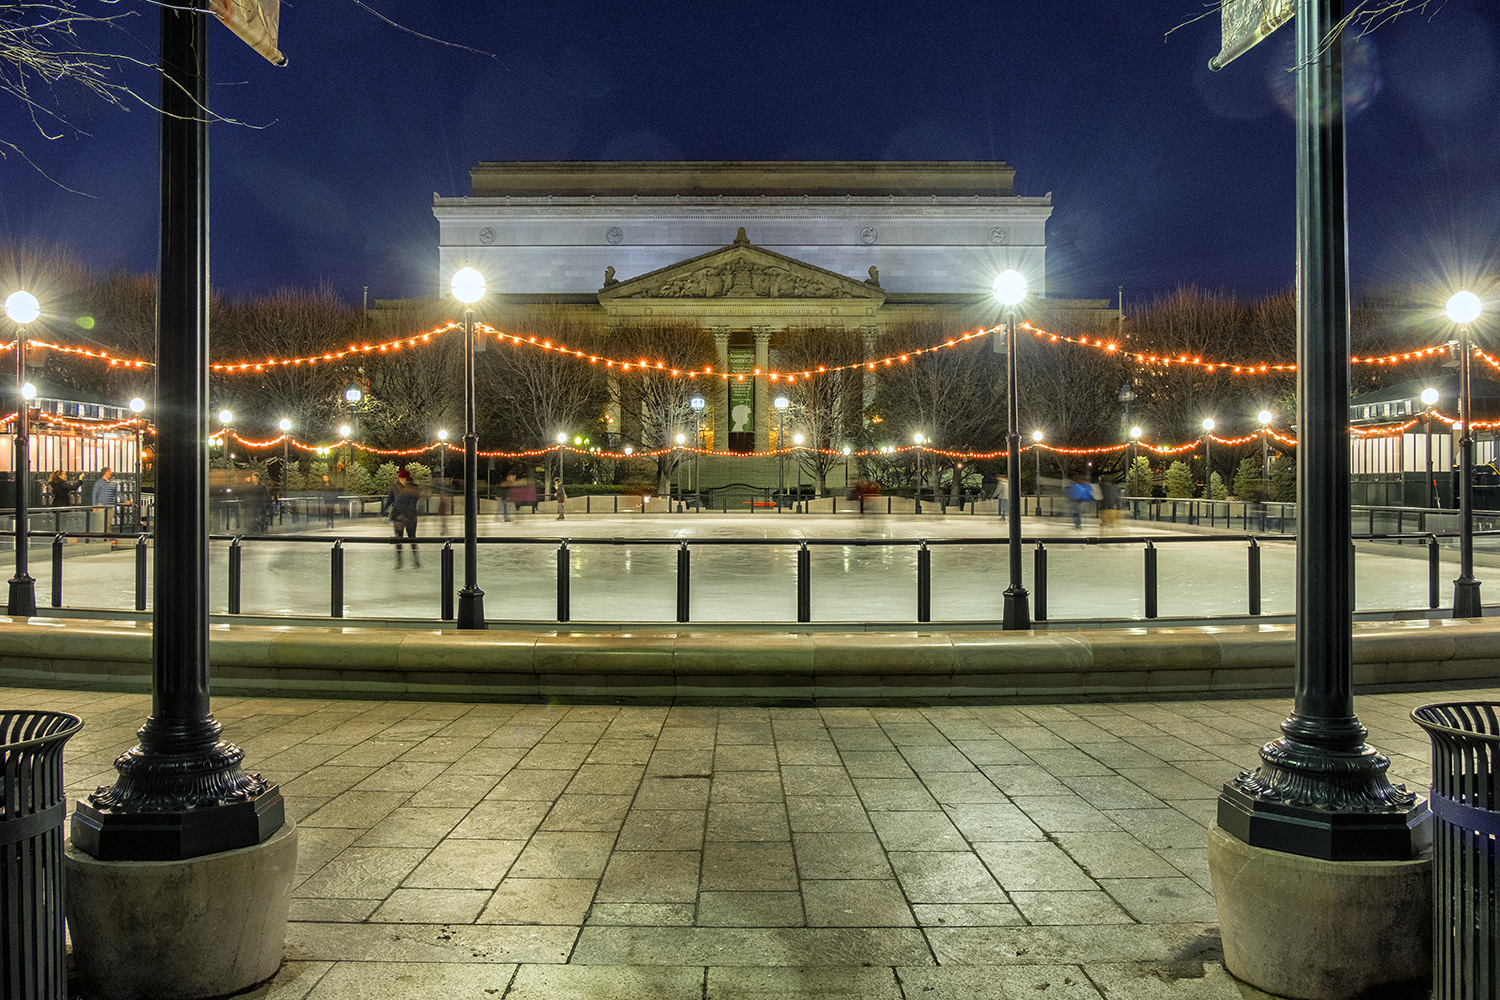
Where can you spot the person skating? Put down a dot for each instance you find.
(401, 504)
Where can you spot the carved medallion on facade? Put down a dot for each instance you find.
(868, 235)
(997, 235)
(487, 236)
(613, 235)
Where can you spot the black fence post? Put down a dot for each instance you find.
(337, 610)
(445, 574)
(1252, 559)
(1432, 571)
(236, 563)
(58, 541)
(564, 583)
(684, 592)
(1039, 584)
(924, 583)
(804, 584)
(1151, 576)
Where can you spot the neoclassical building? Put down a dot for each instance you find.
(747, 250)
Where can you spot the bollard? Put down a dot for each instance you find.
(683, 584)
(140, 573)
(1151, 576)
(337, 610)
(236, 562)
(1252, 559)
(1039, 584)
(924, 583)
(804, 584)
(1432, 571)
(58, 542)
(445, 574)
(564, 583)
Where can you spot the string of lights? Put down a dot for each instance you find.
(1259, 368)
(644, 365)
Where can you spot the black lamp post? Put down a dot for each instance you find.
(1430, 398)
(1010, 289)
(468, 287)
(22, 307)
(1463, 309)
(1265, 436)
(919, 437)
(1320, 790)
(1036, 450)
(681, 440)
(442, 451)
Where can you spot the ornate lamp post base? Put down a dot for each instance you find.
(1017, 610)
(22, 603)
(175, 806)
(471, 608)
(1325, 803)
(1465, 598)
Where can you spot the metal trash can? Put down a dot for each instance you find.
(1466, 813)
(33, 806)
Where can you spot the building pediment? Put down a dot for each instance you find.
(741, 271)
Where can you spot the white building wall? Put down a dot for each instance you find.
(562, 245)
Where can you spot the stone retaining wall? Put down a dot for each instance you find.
(251, 659)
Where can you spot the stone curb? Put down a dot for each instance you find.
(270, 660)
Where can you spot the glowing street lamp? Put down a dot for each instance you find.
(1464, 308)
(22, 307)
(226, 420)
(781, 403)
(1135, 437)
(443, 454)
(797, 440)
(468, 287)
(1430, 398)
(681, 440)
(1265, 435)
(1036, 449)
(1010, 290)
(1208, 460)
(697, 402)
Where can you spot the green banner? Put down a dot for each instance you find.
(741, 392)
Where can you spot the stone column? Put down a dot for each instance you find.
(718, 395)
(763, 416)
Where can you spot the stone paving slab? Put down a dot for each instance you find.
(554, 850)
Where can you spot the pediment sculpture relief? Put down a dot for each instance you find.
(743, 279)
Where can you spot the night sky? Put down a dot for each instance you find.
(1162, 172)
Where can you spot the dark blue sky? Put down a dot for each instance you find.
(1162, 173)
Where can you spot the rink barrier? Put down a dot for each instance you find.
(923, 581)
(774, 664)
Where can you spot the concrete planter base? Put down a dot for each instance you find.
(180, 930)
(1322, 930)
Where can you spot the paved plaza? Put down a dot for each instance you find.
(599, 851)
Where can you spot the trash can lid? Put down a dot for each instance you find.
(23, 728)
(1473, 721)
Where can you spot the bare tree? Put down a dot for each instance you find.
(828, 405)
(530, 392)
(653, 395)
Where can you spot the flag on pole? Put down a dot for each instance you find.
(256, 22)
(1245, 23)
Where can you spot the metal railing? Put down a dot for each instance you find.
(922, 583)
